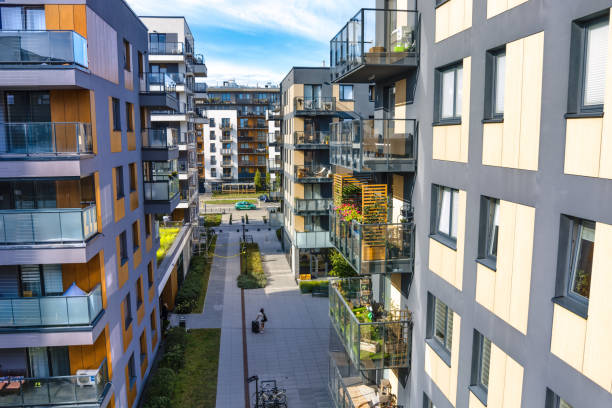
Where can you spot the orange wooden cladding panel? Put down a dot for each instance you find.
(89, 356)
(70, 17)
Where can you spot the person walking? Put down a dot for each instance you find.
(262, 319)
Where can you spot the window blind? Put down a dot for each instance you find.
(596, 61)
(484, 362)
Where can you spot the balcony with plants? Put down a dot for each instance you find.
(376, 45)
(374, 335)
(313, 173)
(311, 139)
(374, 145)
(360, 228)
(314, 105)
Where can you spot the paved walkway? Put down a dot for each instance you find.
(293, 349)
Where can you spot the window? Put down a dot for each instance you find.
(132, 370)
(148, 224)
(555, 401)
(371, 92)
(446, 213)
(213, 172)
(150, 273)
(153, 323)
(141, 64)
(213, 148)
(123, 247)
(581, 259)
(496, 80)
(449, 82)
(116, 115)
(489, 231)
(135, 236)
(244, 122)
(213, 161)
(589, 61)
(211, 135)
(133, 177)
(440, 327)
(127, 60)
(139, 292)
(211, 122)
(480, 366)
(143, 347)
(22, 18)
(127, 311)
(129, 114)
(427, 403)
(119, 182)
(346, 92)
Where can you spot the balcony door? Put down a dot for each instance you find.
(41, 280)
(44, 362)
(312, 96)
(28, 117)
(157, 43)
(22, 18)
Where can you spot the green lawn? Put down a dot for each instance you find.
(230, 201)
(190, 297)
(236, 195)
(255, 276)
(166, 238)
(212, 220)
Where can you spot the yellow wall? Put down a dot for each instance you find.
(343, 106)
(446, 262)
(120, 203)
(505, 381)
(515, 142)
(293, 91)
(495, 7)
(115, 135)
(585, 343)
(444, 376)
(451, 142)
(505, 291)
(453, 17)
(88, 357)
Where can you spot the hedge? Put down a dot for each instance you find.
(309, 285)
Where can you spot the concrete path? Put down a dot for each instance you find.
(293, 348)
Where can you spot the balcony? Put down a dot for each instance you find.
(166, 52)
(46, 140)
(199, 66)
(314, 106)
(161, 195)
(376, 45)
(313, 173)
(246, 163)
(159, 144)
(274, 139)
(226, 126)
(275, 165)
(159, 92)
(51, 311)
(56, 226)
(72, 390)
(373, 337)
(374, 145)
(226, 164)
(200, 88)
(225, 176)
(312, 239)
(311, 140)
(42, 49)
(312, 206)
(226, 138)
(226, 152)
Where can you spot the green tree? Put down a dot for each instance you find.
(340, 267)
(258, 185)
(268, 185)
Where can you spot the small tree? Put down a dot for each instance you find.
(268, 185)
(340, 267)
(258, 185)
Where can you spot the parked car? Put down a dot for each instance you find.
(263, 198)
(245, 205)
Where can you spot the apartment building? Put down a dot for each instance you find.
(493, 264)
(309, 105)
(247, 153)
(220, 141)
(79, 317)
(174, 66)
(273, 117)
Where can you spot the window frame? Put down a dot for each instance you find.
(442, 237)
(116, 110)
(431, 339)
(439, 94)
(123, 248)
(583, 56)
(575, 251)
(477, 387)
(127, 308)
(341, 92)
(491, 89)
(135, 236)
(487, 217)
(119, 185)
(139, 293)
(127, 56)
(131, 371)
(150, 275)
(129, 116)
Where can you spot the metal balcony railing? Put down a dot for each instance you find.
(50, 311)
(374, 337)
(46, 139)
(374, 145)
(274, 138)
(311, 138)
(275, 164)
(374, 248)
(159, 138)
(48, 226)
(158, 82)
(226, 152)
(226, 164)
(161, 190)
(62, 391)
(166, 48)
(314, 105)
(48, 48)
(379, 43)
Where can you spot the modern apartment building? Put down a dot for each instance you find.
(79, 317)
(273, 118)
(220, 141)
(483, 280)
(309, 105)
(174, 66)
(247, 151)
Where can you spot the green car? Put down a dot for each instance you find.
(245, 205)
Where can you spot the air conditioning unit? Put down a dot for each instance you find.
(86, 377)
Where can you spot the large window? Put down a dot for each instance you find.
(449, 93)
(446, 213)
(22, 18)
(346, 92)
(589, 60)
(555, 401)
(312, 92)
(480, 366)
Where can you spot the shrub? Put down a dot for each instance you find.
(340, 267)
(195, 284)
(252, 275)
(230, 220)
(308, 286)
(160, 387)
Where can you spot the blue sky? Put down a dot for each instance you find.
(255, 41)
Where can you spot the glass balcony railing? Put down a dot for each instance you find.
(311, 138)
(312, 239)
(42, 48)
(374, 248)
(373, 337)
(379, 43)
(159, 82)
(313, 173)
(160, 138)
(46, 138)
(51, 310)
(72, 390)
(226, 164)
(200, 87)
(161, 190)
(274, 138)
(226, 151)
(318, 205)
(166, 48)
(275, 164)
(314, 105)
(374, 145)
(48, 226)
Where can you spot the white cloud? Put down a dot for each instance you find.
(314, 19)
